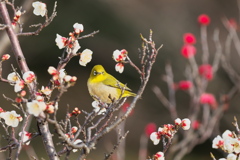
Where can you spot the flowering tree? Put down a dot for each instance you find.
(81, 136)
(32, 101)
(205, 109)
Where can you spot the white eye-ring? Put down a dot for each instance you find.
(94, 73)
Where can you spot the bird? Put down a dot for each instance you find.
(106, 88)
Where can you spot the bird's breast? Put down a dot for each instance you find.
(103, 91)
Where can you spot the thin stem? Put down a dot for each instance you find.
(13, 38)
(21, 138)
(204, 41)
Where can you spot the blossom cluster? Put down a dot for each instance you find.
(59, 77)
(188, 50)
(27, 137)
(70, 136)
(205, 70)
(75, 112)
(40, 9)
(120, 57)
(34, 107)
(16, 18)
(18, 82)
(229, 142)
(71, 44)
(98, 108)
(169, 130)
(40, 102)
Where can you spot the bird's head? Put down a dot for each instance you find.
(98, 73)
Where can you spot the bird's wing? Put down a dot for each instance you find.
(113, 82)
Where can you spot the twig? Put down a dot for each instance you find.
(41, 26)
(218, 53)
(205, 49)
(142, 154)
(107, 156)
(235, 123)
(21, 138)
(89, 35)
(3, 26)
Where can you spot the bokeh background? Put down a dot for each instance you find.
(120, 24)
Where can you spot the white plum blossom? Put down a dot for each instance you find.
(236, 145)
(50, 108)
(178, 121)
(19, 85)
(119, 56)
(226, 134)
(39, 8)
(36, 108)
(231, 157)
(39, 98)
(217, 142)
(78, 28)
(186, 124)
(11, 118)
(16, 81)
(232, 145)
(98, 109)
(52, 70)
(13, 77)
(74, 129)
(29, 77)
(46, 91)
(18, 13)
(67, 78)
(159, 156)
(26, 137)
(60, 41)
(85, 57)
(71, 44)
(62, 74)
(155, 136)
(229, 143)
(76, 47)
(119, 67)
(76, 142)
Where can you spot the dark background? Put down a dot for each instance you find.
(120, 24)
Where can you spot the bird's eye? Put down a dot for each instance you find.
(94, 73)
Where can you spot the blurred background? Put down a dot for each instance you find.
(120, 24)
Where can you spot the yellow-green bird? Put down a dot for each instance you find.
(106, 87)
